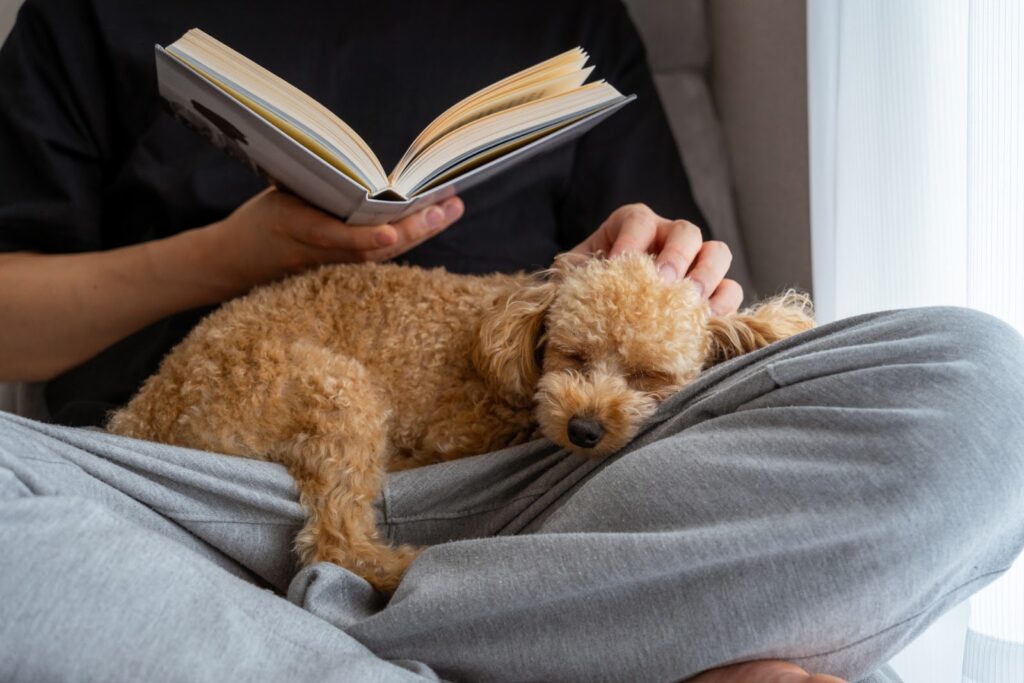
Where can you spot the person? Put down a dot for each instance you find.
(815, 501)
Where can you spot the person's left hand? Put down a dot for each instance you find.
(679, 248)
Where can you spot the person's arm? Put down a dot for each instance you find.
(59, 310)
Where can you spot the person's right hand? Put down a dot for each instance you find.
(276, 234)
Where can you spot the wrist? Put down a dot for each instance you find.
(197, 263)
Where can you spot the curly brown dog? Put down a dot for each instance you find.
(346, 372)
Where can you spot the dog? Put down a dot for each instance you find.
(349, 371)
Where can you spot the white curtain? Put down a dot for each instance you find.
(917, 185)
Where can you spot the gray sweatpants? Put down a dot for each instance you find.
(821, 501)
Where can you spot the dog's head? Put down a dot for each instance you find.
(598, 344)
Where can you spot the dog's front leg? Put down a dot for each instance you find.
(338, 483)
(299, 404)
(336, 447)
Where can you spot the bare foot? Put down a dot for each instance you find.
(766, 671)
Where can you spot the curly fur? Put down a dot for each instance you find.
(347, 372)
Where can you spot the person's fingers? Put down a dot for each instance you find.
(419, 227)
(334, 235)
(710, 266)
(629, 228)
(680, 244)
(726, 298)
(342, 242)
(428, 222)
(320, 230)
(635, 229)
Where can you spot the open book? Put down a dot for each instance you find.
(287, 136)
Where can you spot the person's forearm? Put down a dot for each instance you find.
(57, 311)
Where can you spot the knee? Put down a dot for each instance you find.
(983, 357)
(996, 351)
(970, 401)
(959, 331)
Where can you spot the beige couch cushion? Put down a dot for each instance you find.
(759, 86)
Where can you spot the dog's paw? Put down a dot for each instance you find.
(382, 566)
(388, 571)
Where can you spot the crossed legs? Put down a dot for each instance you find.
(820, 501)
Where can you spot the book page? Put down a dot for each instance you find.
(286, 106)
(551, 77)
(380, 211)
(526, 122)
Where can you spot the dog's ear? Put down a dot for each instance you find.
(505, 349)
(753, 328)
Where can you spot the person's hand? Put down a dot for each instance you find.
(680, 250)
(276, 233)
(765, 671)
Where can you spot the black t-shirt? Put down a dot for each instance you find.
(89, 160)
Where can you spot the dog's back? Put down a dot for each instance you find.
(411, 329)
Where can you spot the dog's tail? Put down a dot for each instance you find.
(754, 328)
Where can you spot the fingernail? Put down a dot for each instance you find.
(667, 273)
(383, 238)
(435, 217)
(453, 209)
(697, 286)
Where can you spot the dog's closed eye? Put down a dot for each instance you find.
(575, 357)
(648, 380)
(569, 356)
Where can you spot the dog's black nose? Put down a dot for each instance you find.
(585, 432)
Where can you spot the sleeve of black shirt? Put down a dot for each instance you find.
(632, 156)
(52, 118)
